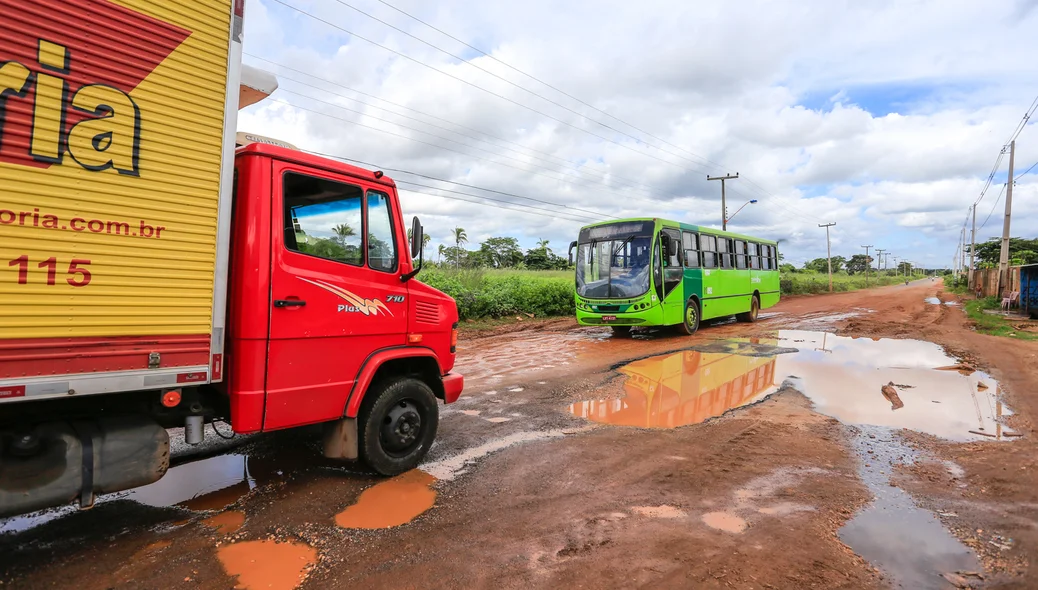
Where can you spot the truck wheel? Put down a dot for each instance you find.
(691, 323)
(751, 316)
(397, 421)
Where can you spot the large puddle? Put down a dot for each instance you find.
(877, 385)
(881, 382)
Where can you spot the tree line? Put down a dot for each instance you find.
(497, 252)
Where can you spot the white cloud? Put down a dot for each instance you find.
(917, 99)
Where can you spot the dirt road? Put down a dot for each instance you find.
(857, 440)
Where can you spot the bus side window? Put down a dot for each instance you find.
(774, 257)
(709, 249)
(672, 271)
(690, 243)
(755, 256)
(724, 249)
(740, 254)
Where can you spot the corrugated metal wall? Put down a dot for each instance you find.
(114, 131)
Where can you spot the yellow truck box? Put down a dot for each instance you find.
(117, 129)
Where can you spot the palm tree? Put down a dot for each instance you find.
(460, 237)
(439, 252)
(343, 232)
(543, 245)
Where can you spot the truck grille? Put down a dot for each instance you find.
(426, 313)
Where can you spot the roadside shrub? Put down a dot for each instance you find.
(489, 294)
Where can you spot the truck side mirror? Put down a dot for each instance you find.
(572, 245)
(417, 237)
(417, 249)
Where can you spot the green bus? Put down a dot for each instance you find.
(656, 272)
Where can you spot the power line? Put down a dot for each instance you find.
(555, 88)
(480, 88)
(598, 215)
(993, 208)
(1025, 172)
(760, 189)
(569, 165)
(525, 171)
(500, 96)
(611, 173)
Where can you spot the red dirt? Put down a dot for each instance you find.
(598, 506)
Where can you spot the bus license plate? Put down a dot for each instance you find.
(609, 318)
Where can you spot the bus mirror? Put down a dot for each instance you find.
(572, 245)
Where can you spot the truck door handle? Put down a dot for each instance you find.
(288, 303)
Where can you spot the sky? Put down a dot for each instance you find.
(885, 117)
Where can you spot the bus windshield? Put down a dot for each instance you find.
(614, 268)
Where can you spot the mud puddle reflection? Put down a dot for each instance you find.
(881, 382)
(267, 564)
(876, 385)
(390, 503)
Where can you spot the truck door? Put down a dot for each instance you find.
(336, 293)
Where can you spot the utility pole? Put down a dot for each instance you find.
(897, 269)
(879, 252)
(973, 249)
(828, 251)
(724, 207)
(1003, 259)
(867, 265)
(964, 249)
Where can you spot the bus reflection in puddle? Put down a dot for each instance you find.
(683, 388)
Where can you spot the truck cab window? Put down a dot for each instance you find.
(381, 243)
(323, 218)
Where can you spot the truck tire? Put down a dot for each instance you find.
(690, 323)
(397, 424)
(751, 316)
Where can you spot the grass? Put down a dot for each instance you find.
(491, 294)
(995, 325)
(804, 283)
(503, 293)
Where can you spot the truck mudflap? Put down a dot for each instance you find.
(58, 462)
(453, 384)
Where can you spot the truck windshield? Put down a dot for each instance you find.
(614, 269)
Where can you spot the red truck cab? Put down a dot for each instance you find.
(326, 322)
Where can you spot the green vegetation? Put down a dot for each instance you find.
(495, 293)
(995, 325)
(810, 282)
(1021, 251)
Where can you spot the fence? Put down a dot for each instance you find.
(985, 280)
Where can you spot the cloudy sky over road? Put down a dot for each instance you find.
(885, 117)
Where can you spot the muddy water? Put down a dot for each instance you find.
(209, 484)
(513, 359)
(880, 382)
(226, 522)
(878, 385)
(907, 542)
(267, 564)
(682, 388)
(390, 503)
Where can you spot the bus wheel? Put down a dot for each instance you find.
(751, 316)
(396, 425)
(691, 323)
(621, 331)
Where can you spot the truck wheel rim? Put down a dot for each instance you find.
(401, 428)
(690, 315)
